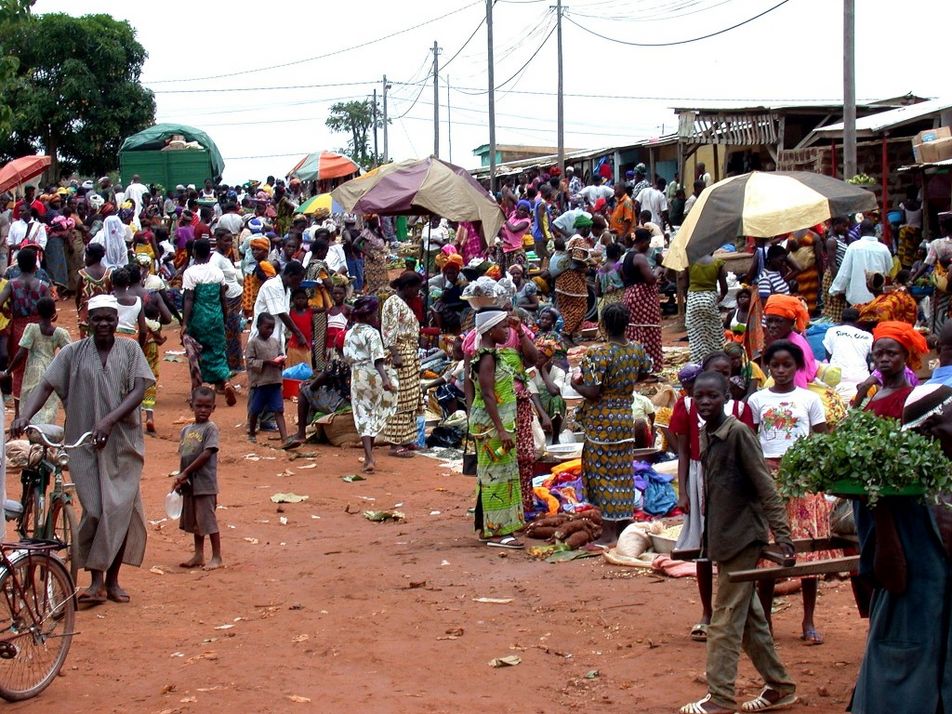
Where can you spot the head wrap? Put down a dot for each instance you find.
(60, 223)
(688, 373)
(906, 335)
(524, 205)
(923, 402)
(261, 243)
(107, 209)
(125, 214)
(144, 260)
(547, 347)
(789, 307)
(365, 305)
(114, 233)
(453, 259)
(103, 301)
(494, 272)
(583, 221)
(256, 225)
(488, 319)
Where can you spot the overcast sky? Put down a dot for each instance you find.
(793, 52)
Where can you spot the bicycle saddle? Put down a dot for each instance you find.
(53, 433)
(11, 509)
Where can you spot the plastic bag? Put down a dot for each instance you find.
(173, 505)
(300, 371)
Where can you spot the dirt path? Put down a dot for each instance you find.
(334, 613)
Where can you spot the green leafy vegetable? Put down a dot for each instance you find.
(868, 455)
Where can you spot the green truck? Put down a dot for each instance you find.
(145, 154)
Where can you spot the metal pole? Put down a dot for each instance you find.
(449, 121)
(849, 90)
(386, 143)
(376, 154)
(492, 98)
(436, 99)
(561, 109)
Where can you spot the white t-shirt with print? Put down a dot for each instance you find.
(783, 417)
(849, 349)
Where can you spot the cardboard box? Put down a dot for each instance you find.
(924, 153)
(942, 148)
(929, 135)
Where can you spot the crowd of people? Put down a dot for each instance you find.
(381, 315)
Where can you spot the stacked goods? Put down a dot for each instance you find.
(932, 145)
(570, 529)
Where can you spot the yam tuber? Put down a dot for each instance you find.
(541, 533)
(578, 539)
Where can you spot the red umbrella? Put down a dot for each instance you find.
(22, 170)
(323, 165)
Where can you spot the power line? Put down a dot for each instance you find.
(695, 100)
(415, 100)
(538, 130)
(679, 42)
(670, 13)
(517, 72)
(263, 89)
(350, 48)
(263, 156)
(468, 40)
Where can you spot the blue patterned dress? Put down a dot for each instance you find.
(609, 426)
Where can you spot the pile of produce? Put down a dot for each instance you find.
(571, 529)
(866, 456)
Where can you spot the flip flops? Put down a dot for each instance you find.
(699, 632)
(811, 637)
(505, 542)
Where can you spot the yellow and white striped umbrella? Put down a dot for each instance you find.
(762, 203)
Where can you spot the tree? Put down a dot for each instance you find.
(12, 14)
(357, 119)
(77, 94)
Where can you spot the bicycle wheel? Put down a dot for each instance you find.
(37, 616)
(64, 528)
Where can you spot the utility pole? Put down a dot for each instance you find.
(386, 143)
(561, 109)
(449, 121)
(492, 98)
(436, 99)
(375, 128)
(849, 90)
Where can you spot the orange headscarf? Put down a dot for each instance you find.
(906, 335)
(790, 307)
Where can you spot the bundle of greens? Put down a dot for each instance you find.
(866, 456)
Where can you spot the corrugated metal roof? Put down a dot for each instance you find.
(883, 121)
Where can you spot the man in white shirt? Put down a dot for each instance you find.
(26, 230)
(231, 219)
(703, 175)
(592, 193)
(849, 348)
(135, 191)
(565, 224)
(652, 199)
(698, 187)
(865, 256)
(274, 298)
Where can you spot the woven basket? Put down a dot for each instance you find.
(736, 262)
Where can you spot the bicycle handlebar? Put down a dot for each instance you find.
(64, 445)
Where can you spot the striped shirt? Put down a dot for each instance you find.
(770, 283)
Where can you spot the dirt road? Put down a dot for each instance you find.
(332, 613)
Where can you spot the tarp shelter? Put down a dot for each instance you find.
(156, 137)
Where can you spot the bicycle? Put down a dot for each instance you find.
(53, 518)
(37, 616)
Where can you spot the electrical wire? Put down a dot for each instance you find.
(517, 72)
(676, 11)
(262, 89)
(568, 17)
(413, 104)
(468, 40)
(543, 130)
(351, 48)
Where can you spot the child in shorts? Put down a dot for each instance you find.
(198, 480)
(265, 360)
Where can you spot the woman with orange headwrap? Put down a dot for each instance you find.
(785, 317)
(263, 270)
(893, 304)
(895, 344)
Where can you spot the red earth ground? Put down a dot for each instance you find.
(331, 612)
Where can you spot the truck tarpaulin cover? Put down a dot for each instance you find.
(156, 137)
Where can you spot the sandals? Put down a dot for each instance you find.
(699, 632)
(230, 397)
(505, 542)
(762, 704)
(700, 707)
(291, 443)
(402, 453)
(811, 637)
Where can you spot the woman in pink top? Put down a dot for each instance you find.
(785, 317)
(512, 231)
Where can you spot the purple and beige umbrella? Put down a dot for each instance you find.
(762, 204)
(428, 186)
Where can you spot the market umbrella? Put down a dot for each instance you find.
(321, 165)
(322, 201)
(22, 170)
(762, 203)
(428, 186)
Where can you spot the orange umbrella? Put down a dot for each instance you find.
(323, 165)
(22, 170)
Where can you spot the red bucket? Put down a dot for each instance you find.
(290, 388)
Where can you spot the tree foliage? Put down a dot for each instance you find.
(77, 93)
(356, 119)
(13, 13)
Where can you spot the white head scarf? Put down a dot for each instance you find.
(103, 301)
(488, 319)
(113, 238)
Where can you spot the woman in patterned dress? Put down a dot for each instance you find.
(401, 336)
(707, 286)
(374, 248)
(607, 379)
(642, 299)
(373, 384)
(492, 423)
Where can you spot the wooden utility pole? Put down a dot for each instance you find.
(376, 154)
(492, 98)
(849, 90)
(561, 109)
(436, 99)
(449, 121)
(386, 143)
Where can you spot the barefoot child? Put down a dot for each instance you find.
(265, 362)
(740, 503)
(302, 315)
(198, 479)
